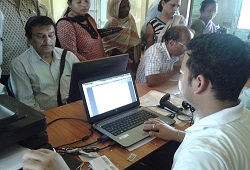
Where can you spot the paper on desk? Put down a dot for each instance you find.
(11, 157)
(86, 158)
(138, 144)
(102, 162)
(175, 77)
(152, 99)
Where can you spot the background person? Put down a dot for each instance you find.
(16, 13)
(219, 139)
(162, 60)
(204, 24)
(2, 88)
(152, 12)
(77, 31)
(125, 41)
(167, 19)
(35, 72)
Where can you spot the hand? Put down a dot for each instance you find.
(43, 159)
(161, 130)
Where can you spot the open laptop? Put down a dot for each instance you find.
(111, 97)
(92, 68)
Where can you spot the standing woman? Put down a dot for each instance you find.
(127, 40)
(167, 19)
(204, 24)
(77, 31)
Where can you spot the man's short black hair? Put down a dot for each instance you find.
(223, 59)
(37, 21)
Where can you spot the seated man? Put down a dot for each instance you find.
(157, 65)
(35, 72)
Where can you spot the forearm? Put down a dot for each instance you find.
(158, 79)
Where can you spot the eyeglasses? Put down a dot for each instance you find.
(184, 46)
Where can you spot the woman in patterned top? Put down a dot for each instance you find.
(167, 19)
(77, 31)
(204, 24)
(127, 40)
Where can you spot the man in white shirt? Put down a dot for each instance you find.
(157, 64)
(2, 88)
(1, 41)
(214, 70)
(35, 72)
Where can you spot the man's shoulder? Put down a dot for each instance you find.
(24, 56)
(155, 48)
(70, 56)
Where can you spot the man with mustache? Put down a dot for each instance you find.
(35, 72)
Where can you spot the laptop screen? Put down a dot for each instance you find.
(109, 95)
(93, 68)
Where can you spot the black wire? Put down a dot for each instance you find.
(82, 139)
(111, 144)
(81, 146)
(65, 118)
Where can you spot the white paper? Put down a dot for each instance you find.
(102, 162)
(11, 157)
(85, 158)
(151, 99)
(139, 144)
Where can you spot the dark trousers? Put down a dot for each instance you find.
(160, 159)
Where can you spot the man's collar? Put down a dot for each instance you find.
(36, 57)
(219, 118)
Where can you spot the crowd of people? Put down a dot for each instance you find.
(34, 50)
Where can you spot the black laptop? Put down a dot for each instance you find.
(112, 105)
(92, 68)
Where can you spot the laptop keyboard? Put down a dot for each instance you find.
(128, 122)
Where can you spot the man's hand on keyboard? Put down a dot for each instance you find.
(161, 130)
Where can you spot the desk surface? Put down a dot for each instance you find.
(67, 131)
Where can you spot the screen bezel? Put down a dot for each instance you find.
(113, 112)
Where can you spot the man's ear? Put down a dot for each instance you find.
(201, 84)
(171, 42)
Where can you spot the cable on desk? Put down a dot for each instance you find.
(84, 138)
(65, 118)
(101, 139)
(111, 144)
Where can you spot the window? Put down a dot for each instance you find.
(244, 15)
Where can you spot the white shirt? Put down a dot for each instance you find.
(36, 81)
(220, 141)
(156, 60)
(1, 43)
